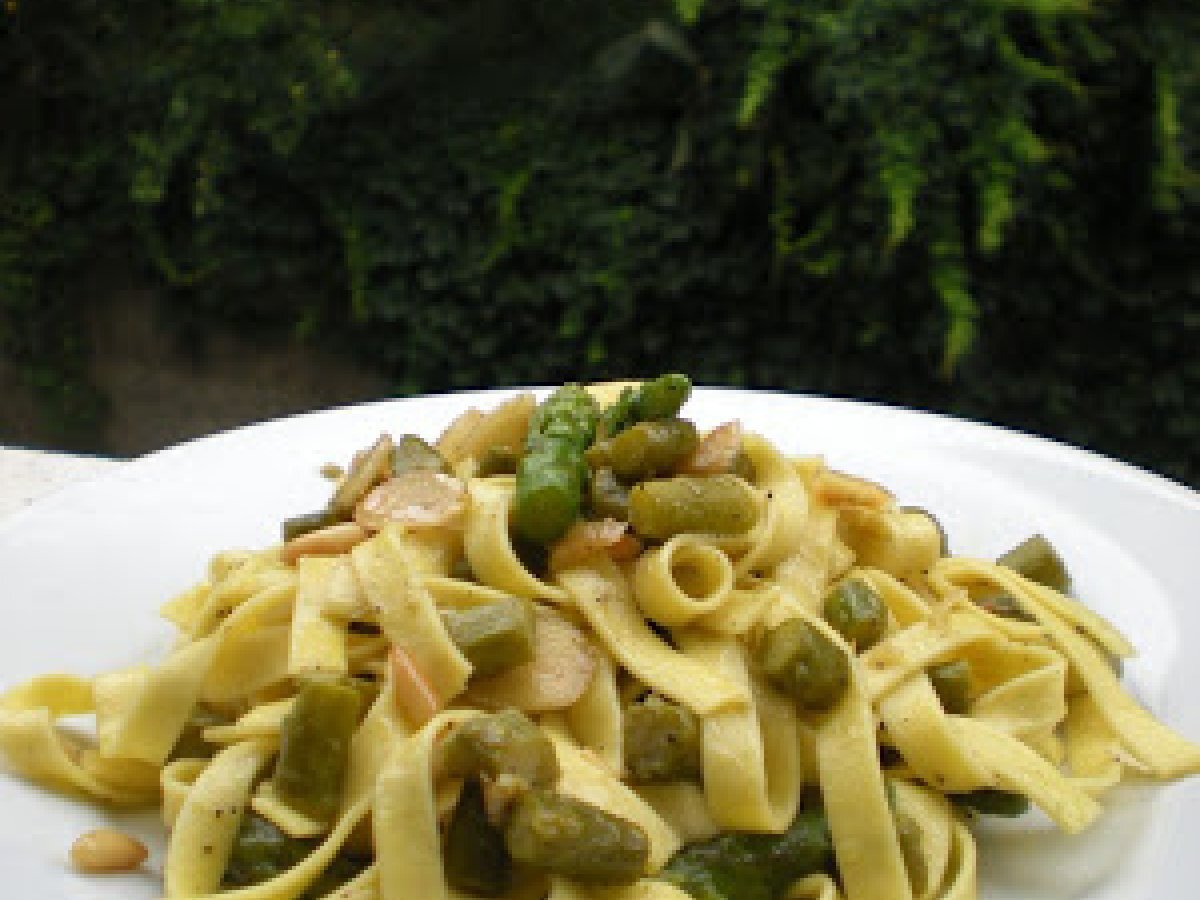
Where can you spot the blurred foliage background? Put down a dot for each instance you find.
(989, 207)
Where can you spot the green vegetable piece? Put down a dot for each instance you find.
(563, 836)
(662, 741)
(552, 473)
(805, 664)
(493, 636)
(952, 682)
(662, 397)
(412, 454)
(712, 504)
(548, 496)
(475, 858)
(498, 460)
(609, 499)
(857, 613)
(620, 415)
(303, 524)
(646, 450)
(261, 852)
(1003, 605)
(659, 398)
(191, 743)
(743, 866)
(503, 743)
(1037, 560)
(369, 468)
(993, 802)
(314, 746)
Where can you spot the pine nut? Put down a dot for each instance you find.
(333, 540)
(107, 850)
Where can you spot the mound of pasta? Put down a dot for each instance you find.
(580, 650)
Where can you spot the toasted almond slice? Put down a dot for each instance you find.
(422, 499)
(456, 438)
(367, 469)
(585, 540)
(716, 451)
(415, 696)
(333, 540)
(837, 490)
(504, 426)
(562, 667)
(625, 549)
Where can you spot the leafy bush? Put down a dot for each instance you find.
(988, 207)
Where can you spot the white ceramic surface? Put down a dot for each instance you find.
(85, 569)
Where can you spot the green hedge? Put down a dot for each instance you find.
(987, 207)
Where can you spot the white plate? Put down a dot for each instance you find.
(84, 571)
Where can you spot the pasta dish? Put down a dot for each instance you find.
(581, 650)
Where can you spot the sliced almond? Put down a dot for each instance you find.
(585, 540)
(453, 443)
(838, 490)
(562, 667)
(505, 426)
(333, 540)
(417, 700)
(716, 451)
(368, 469)
(421, 499)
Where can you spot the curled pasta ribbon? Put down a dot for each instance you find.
(1022, 688)
(910, 650)
(602, 597)
(865, 840)
(684, 807)
(905, 606)
(595, 718)
(407, 613)
(253, 644)
(902, 542)
(1163, 752)
(682, 580)
(37, 750)
(260, 723)
(751, 755)
(318, 641)
(1018, 768)
(295, 824)
(488, 544)
(454, 593)
(176, 780)
(742, 610)
(381, 731)
(919, 729)
(292, 883)
(782, 527)
(1094, 754)
(405, 816)
(207, 822)
(234, 582)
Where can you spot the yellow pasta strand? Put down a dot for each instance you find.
(602, 598)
